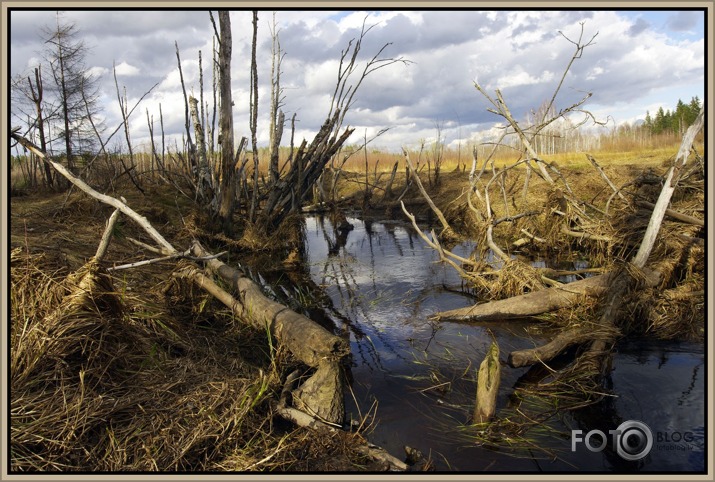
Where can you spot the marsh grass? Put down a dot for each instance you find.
(136, 373)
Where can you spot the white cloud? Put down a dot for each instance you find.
(521, 53)
(522, 78)
(124, 69)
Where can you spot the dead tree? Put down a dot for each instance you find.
(277, 118)
(228, 184)
(189, 143)
(286, 194)
(36, 94)
(253, 114)
(124, 108)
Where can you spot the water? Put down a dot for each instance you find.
(414, 378)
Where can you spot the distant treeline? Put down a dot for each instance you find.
(676, 121)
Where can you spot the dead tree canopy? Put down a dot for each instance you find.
(289, 192)
(286, 194)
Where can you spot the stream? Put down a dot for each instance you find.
(414, 379)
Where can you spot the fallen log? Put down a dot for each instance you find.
(674, 214)
(530, 304)
(542, 301)
(322, 394)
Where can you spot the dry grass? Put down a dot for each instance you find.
(103, 380)
(138, 371)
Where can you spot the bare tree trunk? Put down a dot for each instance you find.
(228, 186)
(204, 184)
(163, 143)
(666, 193)
(277, 118)
(154, 156)
(189, 143)
(124, 108)
(254, 117)
(388, 188)
(37, 100)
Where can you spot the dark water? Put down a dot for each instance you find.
(417, 377)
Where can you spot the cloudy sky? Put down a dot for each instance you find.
(639, 60)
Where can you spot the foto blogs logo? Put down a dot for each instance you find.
(632, 440)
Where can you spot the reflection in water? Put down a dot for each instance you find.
(380, 286)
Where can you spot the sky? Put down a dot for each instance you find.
(637, 62)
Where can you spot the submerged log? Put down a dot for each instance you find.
(544, 353)
(488, 379)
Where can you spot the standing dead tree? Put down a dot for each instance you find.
(228, 185)
(286, 194)
(124, 109)
(253, 114)
(277, 118)
(36, 94)
(189, 143)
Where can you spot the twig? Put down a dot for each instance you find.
(535, 238)
(184, 255)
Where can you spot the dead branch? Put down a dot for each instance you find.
(545, 353)
(616, 191)
(139, 219)
(674, 214)
(107, 236)
(445, 225)
(445, 255)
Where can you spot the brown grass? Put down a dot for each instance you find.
(138, 371)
